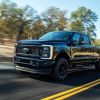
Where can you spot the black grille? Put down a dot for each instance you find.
(23, 50)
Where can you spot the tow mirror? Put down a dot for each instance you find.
(82, 42)
(74, 42)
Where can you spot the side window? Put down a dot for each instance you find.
(76, 38)
(85, 39)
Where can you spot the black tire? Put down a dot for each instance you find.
(60, 71)
(97, 66)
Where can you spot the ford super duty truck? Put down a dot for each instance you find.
(56, 53)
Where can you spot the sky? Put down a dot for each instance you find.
(69, 5)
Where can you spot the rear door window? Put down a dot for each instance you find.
(86, 40)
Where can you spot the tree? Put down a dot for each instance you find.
(25, 23)
(16, 20)
(97, 42)
(25, 19)
(6, 8)
(83, 20)
(38, 28)
(54, 19)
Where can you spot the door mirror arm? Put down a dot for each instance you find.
(73, 43)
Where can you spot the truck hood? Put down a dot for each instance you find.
(40, 42)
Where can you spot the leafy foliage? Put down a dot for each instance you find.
(97, 42)
(83, 20)
(25, 23)
(15, 20)
(54, 19)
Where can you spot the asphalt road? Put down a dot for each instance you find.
(17, 86)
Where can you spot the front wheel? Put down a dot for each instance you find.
(97, 66)
(60, 69)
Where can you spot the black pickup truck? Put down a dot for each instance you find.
(57, 53)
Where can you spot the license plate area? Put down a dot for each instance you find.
(27, 62)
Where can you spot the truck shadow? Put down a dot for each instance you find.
(73, 79)
(14, 81)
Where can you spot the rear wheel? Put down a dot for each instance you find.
(60, 69)
(97, 66)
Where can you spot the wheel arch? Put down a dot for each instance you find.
(63, 55)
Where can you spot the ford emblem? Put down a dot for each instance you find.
(25, 50)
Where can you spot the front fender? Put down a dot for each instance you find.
(59, 50)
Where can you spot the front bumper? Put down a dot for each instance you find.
(34, 65)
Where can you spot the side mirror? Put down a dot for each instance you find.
(74, 43)
(82, 42)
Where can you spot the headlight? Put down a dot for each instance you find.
(46, 52)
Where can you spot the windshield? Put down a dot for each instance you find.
(56, 36)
